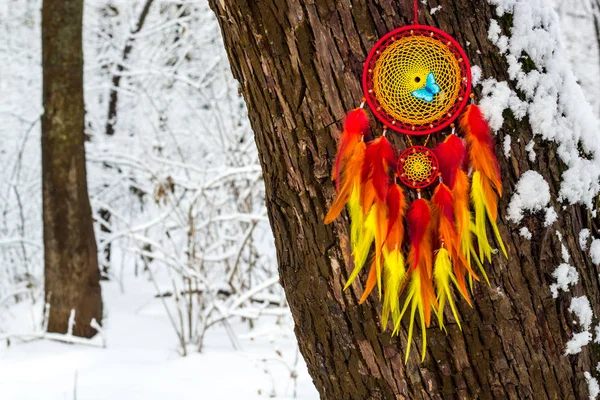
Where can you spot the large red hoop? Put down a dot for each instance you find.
(453, 47)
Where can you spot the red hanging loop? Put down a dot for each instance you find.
(416, 11)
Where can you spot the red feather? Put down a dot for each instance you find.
(379, 158)
(418, 220)
(478, 125)
(451, 155)
(356, 126)
(357, 121)
(443, 202)
(481, 145)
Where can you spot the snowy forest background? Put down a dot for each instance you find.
(192, 300)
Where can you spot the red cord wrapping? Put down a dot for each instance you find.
(416, 10)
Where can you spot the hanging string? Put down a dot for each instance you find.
(410, 142)
(416, 10)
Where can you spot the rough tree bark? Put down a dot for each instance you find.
(299, 63)
(71, 265)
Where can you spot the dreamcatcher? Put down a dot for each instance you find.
(417, 81)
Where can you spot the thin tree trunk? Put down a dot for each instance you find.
(111, 118)
(111, 121)
(71, 265)
(299, 63)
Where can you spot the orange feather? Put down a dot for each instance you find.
(491, 199)
(371, 282)
(481, 145)
(396, 202)
(350, 181)
(487, 184)
(356, 126)
(367, 196)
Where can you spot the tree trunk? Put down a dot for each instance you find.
(299, 63)
(111, 119)
(71, 265)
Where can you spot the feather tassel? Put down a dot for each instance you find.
(363, 245)
(357, 218)
(481, 145)
(443, 216)
(375, 228)
(381, 228)
(464, 220)
(443, 277)
(483, 198)
(356, 126)
(452, 157)
(374, 183)
(371, 282)
(418, 220)
(394, 272)
(420, 295)
(375, 174)
(374, 180)
(487, 185)
(349, 182)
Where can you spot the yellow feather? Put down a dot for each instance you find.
(497, 233)
(463, 215)
(394, 274)
(363, 245)
(355, 211)
(443, 276)
(381, 229)
(481, 269)
(414, 298)
(485, 204)
(477, 196)
(491, 208)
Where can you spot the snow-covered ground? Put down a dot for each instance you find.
(181, 182)
(141, 360)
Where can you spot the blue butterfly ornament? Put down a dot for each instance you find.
(427, 92)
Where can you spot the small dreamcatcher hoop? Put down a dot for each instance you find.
(417, 80)
(417, 167)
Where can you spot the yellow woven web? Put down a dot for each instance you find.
(418, 167)
(403, 67)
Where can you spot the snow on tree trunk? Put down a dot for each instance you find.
(71, 264)
(299, 64)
